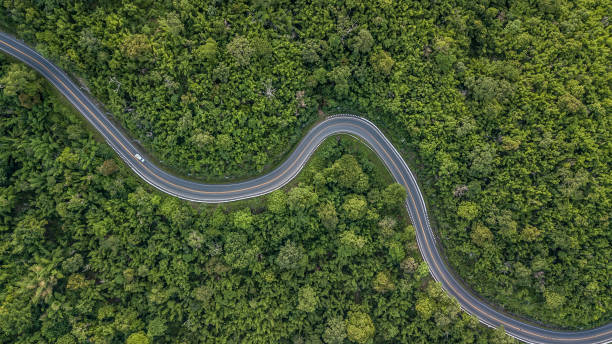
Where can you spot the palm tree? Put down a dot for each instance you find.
(41, 279)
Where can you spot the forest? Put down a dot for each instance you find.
(90, 254)
(501, 108)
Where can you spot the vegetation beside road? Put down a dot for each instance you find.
(90, 255)
(506, 108)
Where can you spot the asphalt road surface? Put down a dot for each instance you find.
(339, 124)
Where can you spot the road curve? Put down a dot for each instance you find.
(339, 124)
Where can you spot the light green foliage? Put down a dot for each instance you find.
(359, 327)
(396, 252)
(387, 225)
(138, 338)
(335, 332)
(437, 305)
(481, 235)
(28, 233)
(355, 207)
(383, 283)
(238, 253)
(110, 260)
(410, 232)
(241, 49)
(394, 196)
(136, 46)
(218, 218)
(328, 216)
(68, 158)
(202, 294)
(507, 99)
(195, 239)
(207, 51)
(348, 174)
(277, 202)
(291, 257)
(444, 56)
(302, 198)
(340, 76)
(424, 307)
(243, 219)
(307, 299)
(422, 271)
(482, 160)
(177, 212)
(19, 79)
(382, 62)
(409, 265)
(468, 210)
(351, 244)
(66, 339)
(530, 233)
(554, 300)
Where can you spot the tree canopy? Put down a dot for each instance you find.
(501, 108)
(90, 256)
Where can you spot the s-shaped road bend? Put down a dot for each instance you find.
(339, 124)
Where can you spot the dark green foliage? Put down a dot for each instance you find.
(72, 264)
(502, 108)
(91, 257)
(394, 197)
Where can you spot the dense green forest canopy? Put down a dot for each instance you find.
(90, 254)
(502, 108)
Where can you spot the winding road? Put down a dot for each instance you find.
(339, 124)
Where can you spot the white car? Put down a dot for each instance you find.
(139, 157)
